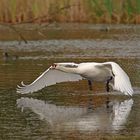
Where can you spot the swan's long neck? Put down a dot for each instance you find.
(67, 69)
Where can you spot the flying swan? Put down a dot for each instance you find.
(109, 72)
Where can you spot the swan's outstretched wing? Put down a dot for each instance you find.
(49, 77)
(121, 80)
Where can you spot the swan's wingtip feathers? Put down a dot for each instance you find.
(20, 89)
(131, 92)
(22, 83)
(128, 94)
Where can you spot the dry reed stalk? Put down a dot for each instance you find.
(97, 11)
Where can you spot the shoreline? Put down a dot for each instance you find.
(65, 31)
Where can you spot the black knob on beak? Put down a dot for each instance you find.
(54, 66)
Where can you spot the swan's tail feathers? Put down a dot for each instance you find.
(121, 80)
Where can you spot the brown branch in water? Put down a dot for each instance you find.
(41, 34)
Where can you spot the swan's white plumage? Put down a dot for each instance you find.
(74, 72)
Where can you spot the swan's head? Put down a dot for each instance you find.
(53, 66)
(57, 65)
(63, 65)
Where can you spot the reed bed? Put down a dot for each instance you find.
(93, 11)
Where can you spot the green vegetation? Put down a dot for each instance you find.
(108, 4)
(95, 11)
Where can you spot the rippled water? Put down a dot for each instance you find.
(68, 110)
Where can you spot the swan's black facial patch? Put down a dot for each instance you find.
(71, 66)
(54, 65)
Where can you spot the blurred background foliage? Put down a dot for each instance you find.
(90, 11)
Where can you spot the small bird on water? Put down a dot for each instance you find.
(6, 56)
(109, 72)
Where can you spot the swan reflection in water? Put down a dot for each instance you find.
(80, 118)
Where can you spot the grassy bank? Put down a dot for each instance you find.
(93, 11)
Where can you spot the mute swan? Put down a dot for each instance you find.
(109, 72)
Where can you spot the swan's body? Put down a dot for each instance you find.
(109, 72)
